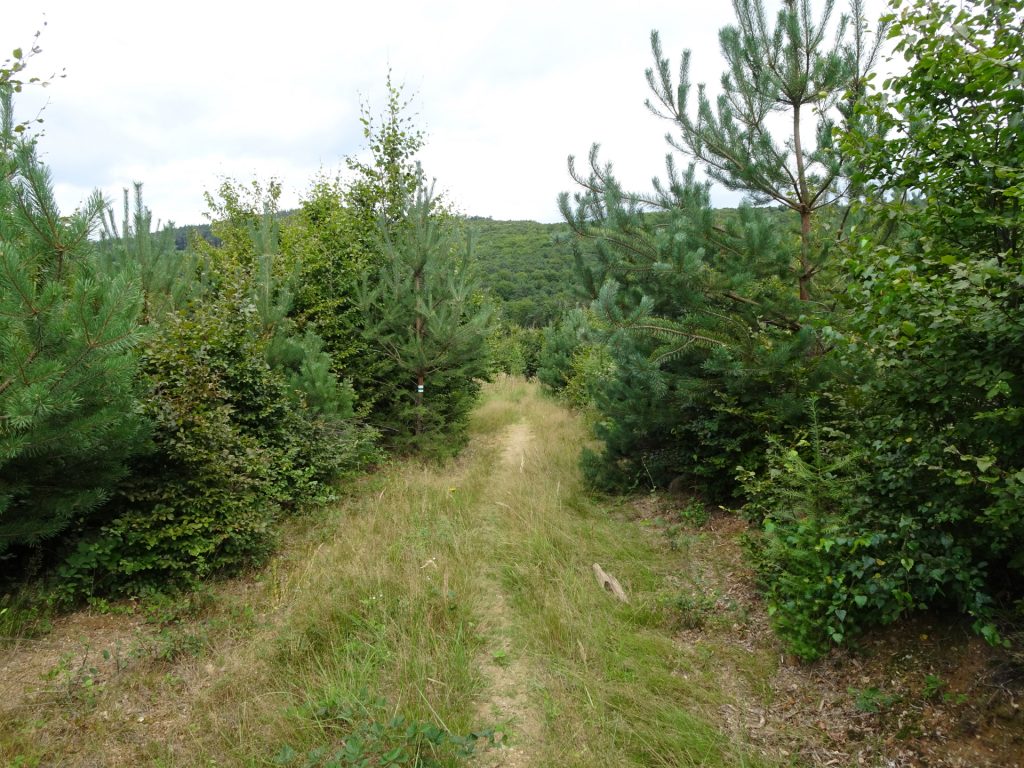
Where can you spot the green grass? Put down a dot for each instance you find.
(616, 687)
(437, 595)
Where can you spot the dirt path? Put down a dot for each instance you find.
(516, 441)
(461, 596)
(507, 701)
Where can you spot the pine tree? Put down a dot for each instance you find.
(68, 333)
(917, 485)
(793, 70)
(423, 315)
(169, 278)
(714, 349)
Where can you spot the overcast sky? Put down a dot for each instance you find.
(179, 95)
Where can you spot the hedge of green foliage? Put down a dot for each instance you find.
(162, 410)
(871, 431)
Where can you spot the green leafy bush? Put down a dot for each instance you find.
(935, 302)
(558, 345)
(237, 443)
(514, 350)
(208, 493)
(505, 351)
(590, 369)
(826, 574)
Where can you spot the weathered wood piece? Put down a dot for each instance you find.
(610, 583)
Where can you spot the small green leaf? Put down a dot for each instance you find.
(1001, 387)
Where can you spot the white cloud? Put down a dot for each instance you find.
(177, 96)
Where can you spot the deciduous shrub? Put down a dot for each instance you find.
(206, 496)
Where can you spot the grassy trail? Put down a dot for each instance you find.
(459, 598)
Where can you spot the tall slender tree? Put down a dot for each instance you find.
(424, 316)
(334, 241)
(792, 69)
(382, 184)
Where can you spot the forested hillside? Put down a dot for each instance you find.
(527, 266)
(833, 372)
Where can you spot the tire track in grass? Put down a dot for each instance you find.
(509, 673)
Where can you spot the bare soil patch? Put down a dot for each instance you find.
(514, 445)
(507, 703)
(509, 674)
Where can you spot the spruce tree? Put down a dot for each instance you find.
(68, 333)
(423, 315)
(334, 241)
(330, 250)
(298, 355)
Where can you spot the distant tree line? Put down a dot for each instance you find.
(525, 267)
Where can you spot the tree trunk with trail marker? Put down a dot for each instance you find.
(420, 380)
(424, 319)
